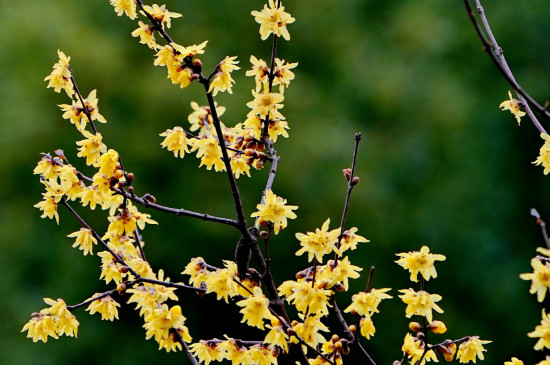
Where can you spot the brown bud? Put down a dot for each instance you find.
(121, 288)
(347, 173)
(249, 152)
(338, 346)
(197, 64)
(262, 156)
(195, 77)
(118, 174)
(353, 328)
(123, 269)
(355, 181)
(421, 336)
(261, 147)
(131, 189)
(290, 331)
(339, 287)
(415, 327)
(150, 198)
(264, 235)
(396, 362)
(335, 338)
(130, 177)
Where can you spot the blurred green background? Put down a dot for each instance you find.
(439, 163)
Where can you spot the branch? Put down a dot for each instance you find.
(495, 52)
(188, 213)
(542, 226)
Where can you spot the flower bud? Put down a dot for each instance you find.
(130, 177)
(121, 288)
(347, 173)
(355, 181)
(415, 327)
(335, 338)
(437, 327)
(353, 328)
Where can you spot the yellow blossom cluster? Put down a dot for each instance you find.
(207, 351)
(415, 347)
(54, 321)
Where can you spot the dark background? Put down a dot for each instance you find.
(439, 163)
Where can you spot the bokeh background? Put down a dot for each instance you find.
(439, 163)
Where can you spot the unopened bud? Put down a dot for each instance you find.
(421, 336)
(118, 174)
(347, 173)
(121, 288)
(131, 189)
(338, 346)
(355, 181)
(415, 326)
(130, 177)
(264, 235)
(339, 287)
(123, 269)
(353, 328)
(335, 338)
(60, 154)
(437, 327)
(197, 64)
(449, 352)
(150, 198)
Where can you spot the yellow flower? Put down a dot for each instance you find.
(344, 271)
(146, 34)
(261, 355)
(309, 300)
(414, 348)
(221, 282)
(266, 103)
(542, 331)
(85, 241)
(255, 309)
(75, 112)
(206, 351)
(513, 106)
(514, 361)
(161, 14)
(107, 306)
(282, 74)
(274, 210)
(201, 118)
(420, 303)
(126, 6)
(260, 71)
(223, 80)
(309, 330)
(544, 154)
(540, 278)
(420, 262)
(277, 335)
(468, 350)
(367, 327)
(210, 153)
(350, 240)
(161, 320)
(60, 78)
(273, 20)
(109, 268)
(545, 361)
(367, 303)
(318, 243)
(91, 148)
(176, 141)
(40, 327)
(49, 207)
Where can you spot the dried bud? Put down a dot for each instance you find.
(347, 173)
(353, 328)
(121, 288)
(421, 336)
(131, 189)
(290, 331)
(354, 181)
(194, 77)
(249, 152)
(123, 269)
(262, 156)
(260, 147)
(264, 235)
(150, 198)
(415, 327)
(60, 154)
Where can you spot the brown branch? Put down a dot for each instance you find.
(179, 212)
(542, 226)
(497, 56)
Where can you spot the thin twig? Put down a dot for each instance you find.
(179, 212)
(496, 56)
(542, 226)
(84, 108)
(351, 184)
